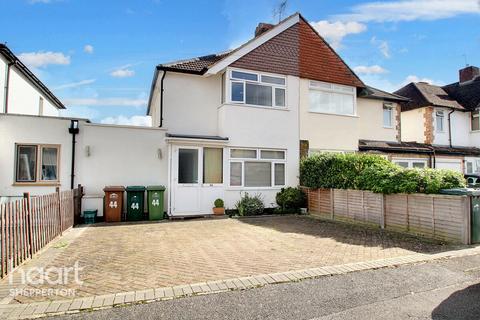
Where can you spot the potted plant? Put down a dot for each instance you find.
(219, 208)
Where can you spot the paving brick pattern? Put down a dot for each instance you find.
(135, 257)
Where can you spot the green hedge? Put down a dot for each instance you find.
(374, 173)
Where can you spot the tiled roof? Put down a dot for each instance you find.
(467, 94)
(374, 93)
(415, 147)
(422, 94)
(436, 96)
(195, 65)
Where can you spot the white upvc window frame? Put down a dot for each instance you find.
(439, 114)
(229, 79)
(329, 87)
(410, 162)
(475, 163)
(258, 158)
(388, 106)
(38, 180)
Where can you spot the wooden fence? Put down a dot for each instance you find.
(29, 224)
(442, 217)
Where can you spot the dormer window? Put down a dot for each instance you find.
(256, 89)
(439, 119)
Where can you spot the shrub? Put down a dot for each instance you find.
(291, 199)
(250, 206)
(374, 173)
(219, 203)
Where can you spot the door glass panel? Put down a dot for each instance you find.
(26, 163)
(187, 166)
(258, 174)
(235, 174)
(212, 165)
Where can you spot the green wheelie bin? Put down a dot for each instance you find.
(135, 202)
(155, 202)
(474, 209)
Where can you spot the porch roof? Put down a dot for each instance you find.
(195, 137)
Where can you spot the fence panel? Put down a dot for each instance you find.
(29, 224)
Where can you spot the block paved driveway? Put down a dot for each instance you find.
(127, 257)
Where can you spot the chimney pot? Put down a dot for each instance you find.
(262, 28)
(469, 73)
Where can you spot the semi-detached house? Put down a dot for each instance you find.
(239, 121)
(223, 124)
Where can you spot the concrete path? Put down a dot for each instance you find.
(440, 289)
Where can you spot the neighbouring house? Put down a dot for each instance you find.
(440, 124)
(21, 91)
(239, 121)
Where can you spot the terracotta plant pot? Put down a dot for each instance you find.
(218, 211)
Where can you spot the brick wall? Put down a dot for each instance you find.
(428, 125)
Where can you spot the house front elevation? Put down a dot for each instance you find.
(239, 121)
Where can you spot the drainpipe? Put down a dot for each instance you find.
(450, 127)
(161, 97)
(73, 130)
(7, 85)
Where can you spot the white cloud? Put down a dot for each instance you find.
(106, 102)
(88, 49)
(414, 78)
(75, 84)
(410, 10)
(123, 72)
(145, 121)
(334, 32)
(385, 49)
(375, 69)
(43, 59)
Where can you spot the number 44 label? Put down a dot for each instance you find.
(135, 206)
(113, 204)
(155, 202)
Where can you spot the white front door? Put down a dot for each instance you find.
(197, 179)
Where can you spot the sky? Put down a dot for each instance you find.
(99, 56)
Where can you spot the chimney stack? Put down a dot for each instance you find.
(262, 28)
(469, 73)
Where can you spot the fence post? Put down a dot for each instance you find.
(26, 196)
(384, 211)
(332, 205)
(77, 204)
(59, 208)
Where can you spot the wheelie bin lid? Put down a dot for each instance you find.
(113, 188)
(461, 191)
(135, 188)
(156, 188)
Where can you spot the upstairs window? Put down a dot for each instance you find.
(475, 120)
(439, 119)
(257, 89)
(387, 115)
(332, 98)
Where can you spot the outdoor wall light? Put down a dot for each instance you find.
(159, 153)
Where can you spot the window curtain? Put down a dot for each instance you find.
(49, 163)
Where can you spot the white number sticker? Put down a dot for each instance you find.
(113, 204)
(155, 202)
(135, 206)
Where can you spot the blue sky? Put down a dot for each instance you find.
(99, 56)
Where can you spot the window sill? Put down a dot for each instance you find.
(36, 184)
(334, 114)
(254, 106)
(232, 188)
